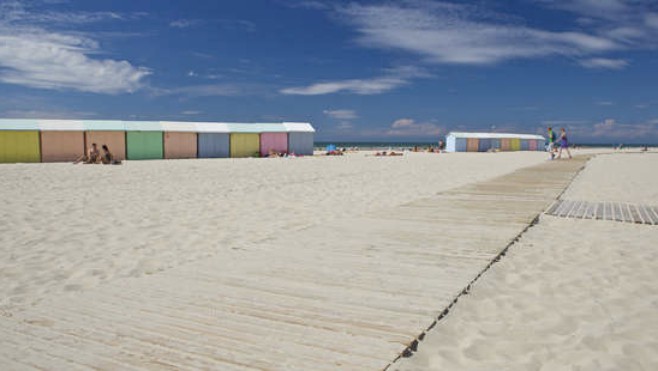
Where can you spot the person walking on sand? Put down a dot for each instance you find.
(551, 142)
(564, 143)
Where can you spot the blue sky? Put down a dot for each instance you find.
(358, 70)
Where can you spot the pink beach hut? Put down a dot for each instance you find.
(273, 137)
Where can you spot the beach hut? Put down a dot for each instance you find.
(525, 144)
(300, 138)
(213, 140)
(109, 133)
(532, 145)
(61, 141)
(495, 143)
(245, 140)
(515, 144)
(472, 144)
(180, 139)
(484, 144)
(19, 141)
(541, 145)
(144, 140)
(485, 141)
(273, 137)
(505, 144)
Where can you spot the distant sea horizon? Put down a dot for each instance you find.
(399, 144)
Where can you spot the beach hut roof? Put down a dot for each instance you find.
(272, 128)
(211, 127)
(174, 126)
(189, 127)
(104, 125)
(61, 125)
(143, 125)
(493, 135)
(18, 124)
(299, 127)
(244, 128)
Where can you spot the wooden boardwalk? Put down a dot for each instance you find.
(617, 211)
(352, 293)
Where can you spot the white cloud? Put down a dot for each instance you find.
(191, 113)
(184, 23)
(394, 78)
(605, 103)
(208, 90)
(344, 125)
(309, 4)
(225, 24)
(590, 8)
(356, 86)
(33, 56)
(611, 129)
(61, 62)
(452, 33)
(341, 114)
(406, 127)
(455, 33)
(604, 63)
(59, 114)
(651, 20)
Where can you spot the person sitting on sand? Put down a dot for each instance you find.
(91, 157)
(108, 157)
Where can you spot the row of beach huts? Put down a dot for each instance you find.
(486, 142)
(65, 140)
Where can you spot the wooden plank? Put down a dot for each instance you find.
(653, 211)
(600, 210)
(635, 214)
(293, 302)
(644, 215)
(626, 213)
(590, 213)
(615, 211)
(551, 210)
(567, 205)
(619, 213)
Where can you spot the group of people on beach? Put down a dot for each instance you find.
(552, 143)
(94, 156)
(431, 149)
(391, 153)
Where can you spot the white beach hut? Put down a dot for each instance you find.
(483, 142)
(300, 138)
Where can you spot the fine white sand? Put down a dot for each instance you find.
(67, 228)
(570, 295)
(618, 177)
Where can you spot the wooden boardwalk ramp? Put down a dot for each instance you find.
(352, 293)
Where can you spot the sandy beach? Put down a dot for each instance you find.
(96, 253)
(69, 228)
(570, 295)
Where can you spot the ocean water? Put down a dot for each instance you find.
(376, 145)
(399, 146)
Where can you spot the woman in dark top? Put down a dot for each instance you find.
(564, 143)
(108, 158)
